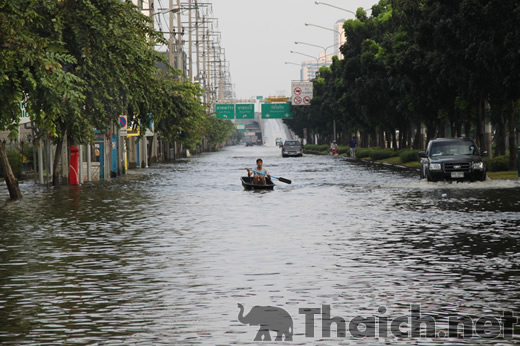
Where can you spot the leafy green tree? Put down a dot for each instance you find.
(218, 131)
(31, 62)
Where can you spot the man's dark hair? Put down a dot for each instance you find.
(259, 160)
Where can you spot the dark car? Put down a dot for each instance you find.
(292, 148)
(452, 159)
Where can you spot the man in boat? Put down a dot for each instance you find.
(259, 178)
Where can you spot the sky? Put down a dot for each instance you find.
(258, 36)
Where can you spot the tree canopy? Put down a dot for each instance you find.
(450, 66)
(79, 65)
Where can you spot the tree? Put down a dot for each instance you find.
(30, 70)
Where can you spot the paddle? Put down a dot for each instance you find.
(283, 180)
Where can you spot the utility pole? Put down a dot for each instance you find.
(197, 39)
(190, 48)
(171, 59)
(208, 71)
(204, 52)
(179, 40)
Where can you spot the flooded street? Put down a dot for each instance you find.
(164, 255)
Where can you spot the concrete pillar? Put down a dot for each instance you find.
(89, 168)
(40, 161)
(145, 151)
(81, 164)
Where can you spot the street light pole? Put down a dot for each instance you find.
(315, 45)
(322, 27)
(317, 61)
(339, 8)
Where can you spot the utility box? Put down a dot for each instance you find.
(74, 166)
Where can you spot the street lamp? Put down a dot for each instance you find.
(172, 10)
(339, 8)
(310, 56)
(292, 63)
(315, 45)
(322, 27)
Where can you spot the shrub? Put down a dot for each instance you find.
(344, 149)
(381, 154)
(497, 164)
(409, 156)
(362, 153)
(316, 147)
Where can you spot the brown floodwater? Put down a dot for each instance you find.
(164, 255)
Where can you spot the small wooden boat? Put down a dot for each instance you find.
(247, 183)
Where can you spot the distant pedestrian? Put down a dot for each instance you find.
(352, 144)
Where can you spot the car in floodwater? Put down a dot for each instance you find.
(452, 159)
(292, 148)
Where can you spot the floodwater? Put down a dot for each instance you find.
(164, 255)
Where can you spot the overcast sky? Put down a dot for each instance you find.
(258, 36)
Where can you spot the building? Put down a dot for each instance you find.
(339, 37)
(310, 68)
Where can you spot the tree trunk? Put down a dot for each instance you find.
(10, 179)
(512, 136)
(381, 138)
(417, 142)
(467, 128)
(480, 119)
(453, 130)
(442, 128)
(57, 162)
(394, 139)
(431, 130)
(500, 135)
(458, 126)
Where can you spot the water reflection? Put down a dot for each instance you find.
(164, 255)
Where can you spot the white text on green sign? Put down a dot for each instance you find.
(225, 111)
(276, 111)
(245, 111)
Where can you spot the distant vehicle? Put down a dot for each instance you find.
(249, 144)
(292, 148)
(453, 159)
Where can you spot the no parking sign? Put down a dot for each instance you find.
(123, 122)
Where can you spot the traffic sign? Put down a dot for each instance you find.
(123, 122)
(301, 93)
(276, 111)
(277, 99)
(225, 111)
(245, 111)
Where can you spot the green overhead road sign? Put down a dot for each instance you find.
(276, 111)
(246, 111)
(225, 111)
(241, 127)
